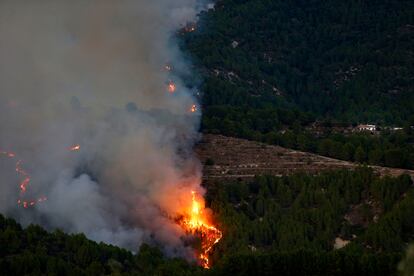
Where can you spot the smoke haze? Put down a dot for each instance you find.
(91, 73)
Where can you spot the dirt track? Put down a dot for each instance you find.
(239, 158)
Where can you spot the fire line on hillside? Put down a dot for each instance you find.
(195, 222)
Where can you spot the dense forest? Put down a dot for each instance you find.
(33, 251)
(350, 60)
(283, 225)
(303, 211)
(272, 68)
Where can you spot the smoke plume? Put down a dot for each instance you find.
(92, 73)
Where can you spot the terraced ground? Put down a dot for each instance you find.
(227, 157)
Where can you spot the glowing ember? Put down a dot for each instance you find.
(24, 183)
(193, 108)
(26, 179)
(171, 87)
(196, 222)
(75, 147)
(191, 27)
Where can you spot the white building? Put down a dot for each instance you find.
(366, 127)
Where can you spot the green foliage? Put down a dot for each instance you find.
(407, 265)
(209, 162)
(33, 251)
(360, 155)
(306, 262)
(348, 60)
(308, 212)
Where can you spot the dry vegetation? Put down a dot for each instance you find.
(227, 157)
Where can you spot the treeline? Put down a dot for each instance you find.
(291, 129)
(34, 251)
(390, 149)
(307, 262)
(280, 214)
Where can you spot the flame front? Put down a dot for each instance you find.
(195, 222)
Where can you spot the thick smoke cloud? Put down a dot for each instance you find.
(91, 73)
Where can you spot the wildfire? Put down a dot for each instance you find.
(171, 87)
(24, 183)
(75, 147)
(195, 222)
(193, 108)
(190, 27)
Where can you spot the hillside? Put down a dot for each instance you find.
(291, 225)
(228, 157)
(275, 71)
(349, 60)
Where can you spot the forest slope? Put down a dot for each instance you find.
(228, 157)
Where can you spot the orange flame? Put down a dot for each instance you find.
(75, 147)
(193, 108)
(196, 222)
(171, 87)
(24, 183)
(26, 178)
(191, 27)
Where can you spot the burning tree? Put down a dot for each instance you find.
(195, 222)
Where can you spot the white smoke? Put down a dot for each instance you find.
(91, 73)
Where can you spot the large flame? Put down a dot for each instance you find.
(196, 222)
